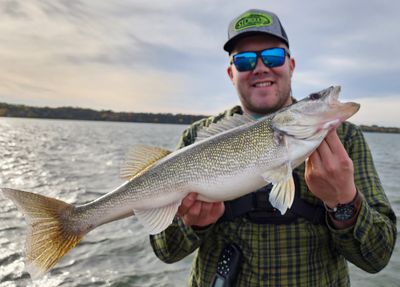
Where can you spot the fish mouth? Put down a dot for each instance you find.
(319, 112)
(335, 92)
(340, 110)
(348, 109)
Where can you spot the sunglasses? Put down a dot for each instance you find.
(247, 61)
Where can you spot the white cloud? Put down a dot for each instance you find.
(310, 79)
(167, 55)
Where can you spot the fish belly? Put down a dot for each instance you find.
(230, 187)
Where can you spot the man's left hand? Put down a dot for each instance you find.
(199, 213)
(329, 172)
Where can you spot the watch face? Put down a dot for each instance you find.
(344, 212)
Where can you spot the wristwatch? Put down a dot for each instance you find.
(344, 212)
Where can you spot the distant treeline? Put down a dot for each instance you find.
(70, 113)
(378, 129)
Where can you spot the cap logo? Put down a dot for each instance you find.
(250, 20)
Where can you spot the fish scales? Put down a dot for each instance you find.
(207, 162)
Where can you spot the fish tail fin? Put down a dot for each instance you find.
(51, 234)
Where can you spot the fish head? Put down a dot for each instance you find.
(312, 117)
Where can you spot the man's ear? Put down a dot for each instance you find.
(230, 73)
(292, 66)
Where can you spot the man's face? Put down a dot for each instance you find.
(262, 90)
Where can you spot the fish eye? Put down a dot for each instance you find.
(314, 96)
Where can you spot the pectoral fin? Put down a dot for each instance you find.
(282, 194)
(157, 219)
(278, 174)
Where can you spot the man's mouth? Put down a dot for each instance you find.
(262, 84)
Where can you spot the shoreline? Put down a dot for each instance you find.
(73, 113)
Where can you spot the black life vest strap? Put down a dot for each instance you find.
(257, 208)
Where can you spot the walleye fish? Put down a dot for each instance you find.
(230, 158)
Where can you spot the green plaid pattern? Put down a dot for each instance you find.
(296, 254)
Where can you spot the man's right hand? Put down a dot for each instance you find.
(199, 213)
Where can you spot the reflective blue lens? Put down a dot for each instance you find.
(247, 61)
(273, 57)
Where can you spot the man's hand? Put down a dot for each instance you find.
(329, 172)
(199, 213)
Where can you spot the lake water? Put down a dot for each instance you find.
(78, 161)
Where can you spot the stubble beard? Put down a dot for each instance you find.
(283, 99)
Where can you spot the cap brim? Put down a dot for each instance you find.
(230, 44)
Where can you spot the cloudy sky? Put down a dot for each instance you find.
(167, 56)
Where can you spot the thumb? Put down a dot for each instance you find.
(308, 164)
(308, 168)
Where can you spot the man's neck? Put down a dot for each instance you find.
(257, 116)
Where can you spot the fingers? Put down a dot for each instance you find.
(329, 148)
(187, 203)
(195, 210)
(334, 143)
(199, 213)
(205, 209)
(192, 215)
(332, 152)
(332, 140)
(217, 210)
(314, 160)
(319, 159)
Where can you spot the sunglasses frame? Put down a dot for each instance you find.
(286, 52)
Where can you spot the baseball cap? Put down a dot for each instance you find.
(253, 22)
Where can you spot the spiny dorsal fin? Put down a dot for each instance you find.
(225, 124)
(139, 159)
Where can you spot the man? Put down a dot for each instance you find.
(340, 211)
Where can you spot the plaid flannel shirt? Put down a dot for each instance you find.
(296, 254)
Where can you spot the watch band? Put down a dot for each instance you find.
(345, 212)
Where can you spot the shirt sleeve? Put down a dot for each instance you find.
(370, 242)
(177, 241)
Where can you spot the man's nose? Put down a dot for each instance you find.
(260, 67)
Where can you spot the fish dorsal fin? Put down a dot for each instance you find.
(223, 125)
(139, 159)
(157, 219)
